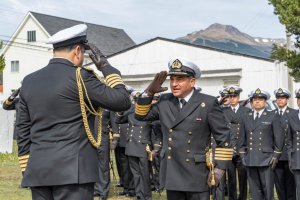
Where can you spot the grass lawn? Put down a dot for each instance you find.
(10, 179)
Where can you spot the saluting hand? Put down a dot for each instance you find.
(97, 57)
(155, 85)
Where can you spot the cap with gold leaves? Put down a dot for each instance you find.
(282, 92)
(156, 96)
(183, 67)
(259, 93)
(69, 36)
(223, 92)
(297, 93)
(234, 90)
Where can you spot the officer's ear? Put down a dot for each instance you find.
(192, 81)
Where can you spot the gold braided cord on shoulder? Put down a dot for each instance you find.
(90, 108)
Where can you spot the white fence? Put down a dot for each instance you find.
(6, 130)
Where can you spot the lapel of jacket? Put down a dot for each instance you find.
(296, 119)
(259, 121)
(188, 108)
(173, 104)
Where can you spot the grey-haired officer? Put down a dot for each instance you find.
(294, 143)
(283, 178)
(262, 141)
(188, 118)
(57, 147)
(234, 114)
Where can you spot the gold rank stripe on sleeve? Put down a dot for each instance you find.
(23, 160)
(223, 154)
(113, 79)
(7, 102)
(142, 110)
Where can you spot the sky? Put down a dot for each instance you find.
(146, 19)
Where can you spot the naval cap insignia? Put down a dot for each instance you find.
(202, 104)
(176, 64)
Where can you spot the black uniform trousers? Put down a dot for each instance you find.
(284, 181)
(139, 167)
(155, 172)
(261, 183)
(64, 192)
(118, 152)
(237, 166)
(126, 175)
(219, 191)
(102, 187)
(178, 195)
(297, 180)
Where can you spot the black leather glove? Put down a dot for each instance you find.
(14, 94)
(214, 179)
(97, 57)
(273, 162)
(155, 85)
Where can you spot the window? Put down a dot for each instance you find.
(15, 66)
(31, 36)
(228, 82)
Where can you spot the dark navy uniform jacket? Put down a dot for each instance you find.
(52, 141)
(186, 138)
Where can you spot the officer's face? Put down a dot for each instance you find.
(234, 100)
(258, 103)
(181, 85)
(298, 102)
(282, 101)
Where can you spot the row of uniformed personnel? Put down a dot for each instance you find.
(264, 142)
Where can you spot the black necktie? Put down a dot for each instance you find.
(183, 102)
(233, 110)
(280, 113)
(257, 116)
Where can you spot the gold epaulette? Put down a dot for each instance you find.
(23, 160)
(8, 102)
(142, 110)
(113, 80)
(223, 153)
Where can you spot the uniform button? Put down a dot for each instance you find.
(250, 138)
(189, 141)
(188, 151)
(130, 135)
(297, 143)
(259, 149)
(234, 148)
(130, 140)
(297, 149)
(237, 133)
(131, 130)
(170, 148)
(297, 138)
(260, 144)
(250, 143)
(251, 133)
(187, 160)
(171, 130)
(170, 139)
(211, 143)
(132, 126)
(226, 144)
(260, 133)
(140, 131)
(238, 128)
(139, 141)
(260, 138)
(238, 124)
(250, 149)
(169, 157)
(127, 129)
(190, 133)
(297, 133)
(141, 127)
(140, 136)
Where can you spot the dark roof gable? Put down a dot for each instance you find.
(109, 40)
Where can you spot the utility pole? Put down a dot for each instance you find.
(290, 80)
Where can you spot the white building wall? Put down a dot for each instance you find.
(153, 57)
(30, 57)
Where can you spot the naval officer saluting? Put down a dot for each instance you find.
(56, 146)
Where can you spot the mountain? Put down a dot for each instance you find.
(229, 38)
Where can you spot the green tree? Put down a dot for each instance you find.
(2, 59)
(288, 12)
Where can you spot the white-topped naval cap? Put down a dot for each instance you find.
(282, 92)
(260, 93)
(69, 36)
(181, 66)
